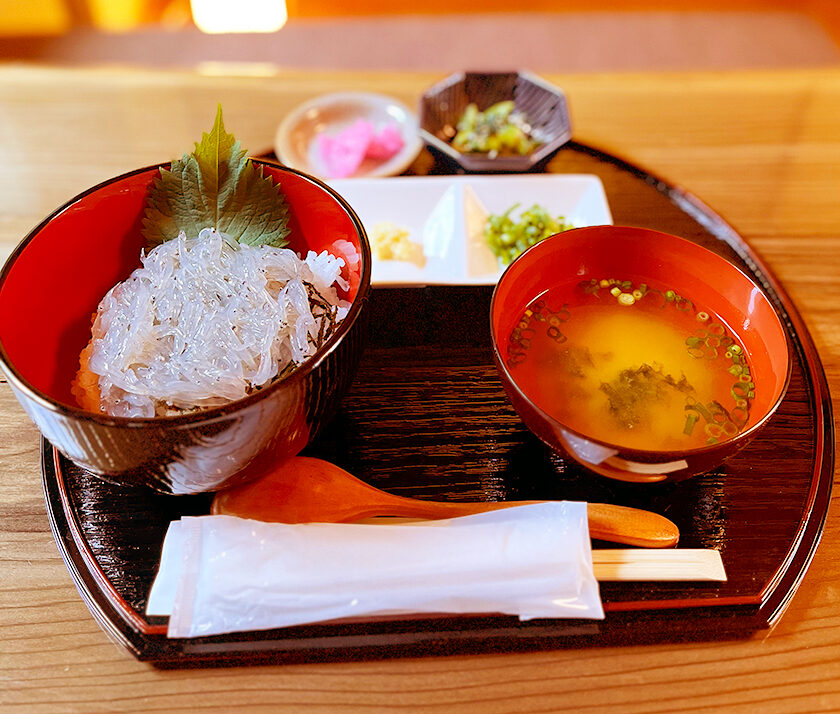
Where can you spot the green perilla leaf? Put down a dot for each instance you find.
(217, 186)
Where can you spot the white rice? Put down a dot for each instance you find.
(206, 321)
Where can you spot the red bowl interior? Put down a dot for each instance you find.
(55, 279)
(706, 277)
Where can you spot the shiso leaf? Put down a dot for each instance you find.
(216, 186)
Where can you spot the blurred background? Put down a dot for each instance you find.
(437, 35)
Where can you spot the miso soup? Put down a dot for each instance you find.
(632, 364)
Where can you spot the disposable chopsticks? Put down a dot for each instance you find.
(638, 564)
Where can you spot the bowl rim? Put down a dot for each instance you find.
(478, 161)
(213, 413)
(406, 155)
(650, 455)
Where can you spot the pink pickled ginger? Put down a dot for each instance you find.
(385, 143)
(343, 153)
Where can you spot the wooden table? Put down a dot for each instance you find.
(763, 149)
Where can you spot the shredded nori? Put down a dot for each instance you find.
(322, 308)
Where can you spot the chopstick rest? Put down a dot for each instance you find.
(222, 574)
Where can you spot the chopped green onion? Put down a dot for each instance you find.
(508, 237)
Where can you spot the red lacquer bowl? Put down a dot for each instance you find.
(52, 284)
(585, 253)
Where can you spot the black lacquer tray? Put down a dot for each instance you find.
(427, 417)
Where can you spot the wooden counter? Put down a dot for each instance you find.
(763, 149)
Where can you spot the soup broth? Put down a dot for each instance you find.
(627, 363)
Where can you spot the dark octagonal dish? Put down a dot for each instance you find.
(543, 104)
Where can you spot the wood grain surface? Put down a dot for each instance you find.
(763, 149)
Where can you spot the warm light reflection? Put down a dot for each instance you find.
(218, 16)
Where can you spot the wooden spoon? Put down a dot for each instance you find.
(309, 490)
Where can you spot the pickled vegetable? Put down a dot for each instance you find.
(500, 129)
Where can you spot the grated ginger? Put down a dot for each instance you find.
(390, 242)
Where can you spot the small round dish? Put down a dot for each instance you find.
(585, 257)
(296, 142)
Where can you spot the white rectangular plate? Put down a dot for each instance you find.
(446, 215)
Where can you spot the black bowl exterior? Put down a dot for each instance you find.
(543, 104)
(205, 452)
(211, 449)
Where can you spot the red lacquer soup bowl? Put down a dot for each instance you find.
(595, 261)
(51, 285)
